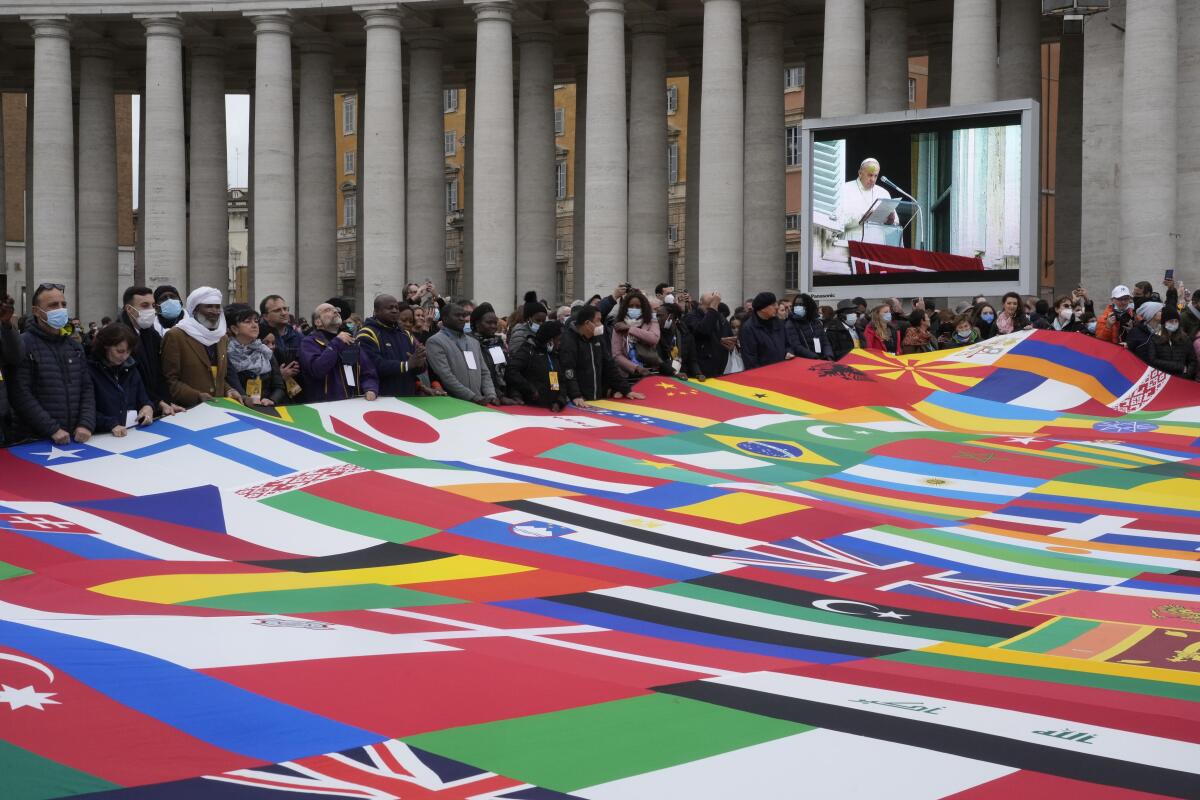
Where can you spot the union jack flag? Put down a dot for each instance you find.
(389, 770)
(822, 560)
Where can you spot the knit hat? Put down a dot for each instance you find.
(762, 300)
(531, 308)
(548, 331)
(1148, 310)
(1169, 313)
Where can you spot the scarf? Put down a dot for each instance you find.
(205, 295)
(254, 357)
(916, 337)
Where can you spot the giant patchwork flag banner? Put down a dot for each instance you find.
(967, 574)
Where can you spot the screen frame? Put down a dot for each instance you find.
(1030, 111)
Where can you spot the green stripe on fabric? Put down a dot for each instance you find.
(882, 503)
(1054, 635)
(445, 407)
(328, 598)
(825, 617)
(355, 520)
(28, 776)
(1176, 691)
(1023, 555)
(589, 457)
(567, 750)
(12, 571)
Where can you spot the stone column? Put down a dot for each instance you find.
(494, 167)
(316, 175)
(606, 229)
(1068, 176)
(648, 153)
(426, 191)
(939, 70)
(536, 221)
(1020, 50)
(1149, 138)
(814, 64)
(208, 215)
(383, 229)
(887, 76)
(1187, 249)
(274, 195)
(844, 73)
(721, 152)
(973, 54)
(764, 196)
(691, 221)
(1103, 66)
(578, 211)
(165, 200)
(97, 211)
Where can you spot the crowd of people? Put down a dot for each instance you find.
(163, 353)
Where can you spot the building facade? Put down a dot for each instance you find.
(1118, 88)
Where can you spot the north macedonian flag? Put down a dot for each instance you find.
(974, 571)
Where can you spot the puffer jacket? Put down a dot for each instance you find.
(51, 388)
(811, 339)
(118, 390)
(1174, 355)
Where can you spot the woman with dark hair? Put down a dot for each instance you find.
(252, 361)
(1062, 317)
(1012, 315)
(676, 345)
(1173, 350)
(917, 337)
(635, 336)
(880, 335)
(121, 398)
(806, 323)
(983, 319)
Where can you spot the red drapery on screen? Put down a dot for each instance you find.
(880, 259)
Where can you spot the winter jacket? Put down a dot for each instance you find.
(147, 356)
(874, 342)
(811, 340)
(330, 369)
(1174, 355)
(676, 345)
(495, 356)
(1139, 340)
(948, 341)
(117, 390)
(517, 336)
(11, 350)
(588, 367)
(51, 388)
(530, 373)
(644, 334)
(456, 360)
(841, 340)
(390, 348)
(1189, 321)
(708, 327)
(273, 386)
(765, 342)
(1114, 327)
(287, 343)
(188, 368)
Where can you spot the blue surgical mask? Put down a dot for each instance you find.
(886, 316)
(171, 309)
(1091, 326)
(800, 312)
(535, 326)
(987, 317)
(437, 313)
(466, 327)
(58, 318)
(633, 313)
(961, 336)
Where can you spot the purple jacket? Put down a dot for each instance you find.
(326, 363)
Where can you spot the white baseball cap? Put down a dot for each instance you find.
(1121, 291)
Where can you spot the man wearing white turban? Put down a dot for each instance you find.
(857, 197)
(194, 353)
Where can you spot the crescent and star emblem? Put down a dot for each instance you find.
(829, 603)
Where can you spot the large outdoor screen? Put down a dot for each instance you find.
(924, 202)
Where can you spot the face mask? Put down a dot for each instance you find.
(667, 325)
(58, 318)
(1091, 326)
(171, 309)
(800, 311)
(350, 326)
(466, 327)
(1171, 326)
(886, 316)
(670, 298)
(633, 313)
(962, 336)
(1121, 308)
(549, 347)
(1065, 314)
(598, 330)
(535, 326)
(987, 317)
(851, 319)
(145, 318)
(437, 313)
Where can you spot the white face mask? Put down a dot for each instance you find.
(668, 323)
(1065, 314)
(598, 330)
(851, 319)
(145, 318)
(1171, 326)
(670, 298)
